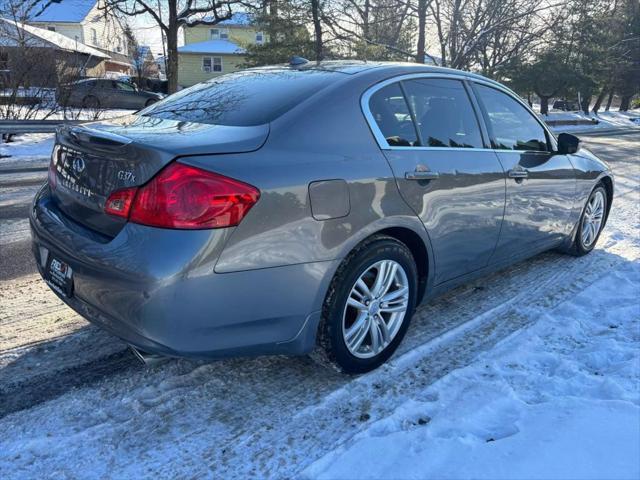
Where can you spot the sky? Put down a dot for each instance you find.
(148, 33)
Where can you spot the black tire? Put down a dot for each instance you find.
(578, 247)
(331, 349)
(150, 102)
(91, 102)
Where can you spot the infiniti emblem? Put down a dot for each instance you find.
(78, 164)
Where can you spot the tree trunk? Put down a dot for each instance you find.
(624, 102)
(172, 48)
(586, 100)
(172, 61)
(422, 23)
(600, 99)
(544, 104)
(609, 100)
(317, 28)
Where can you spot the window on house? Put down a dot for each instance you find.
(219, 34)
(51, 28)
(94, 36)
(118, 44)
(259, 37)
(211, 64)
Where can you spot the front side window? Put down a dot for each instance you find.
(443, 113)
(511, 125)
(390, 112)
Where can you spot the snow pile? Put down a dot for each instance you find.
(611, 120)
(558, 400)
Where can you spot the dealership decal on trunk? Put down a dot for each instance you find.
(68, 184)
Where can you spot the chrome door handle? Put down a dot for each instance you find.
(420, 175)
(519, 173)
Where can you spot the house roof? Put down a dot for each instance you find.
(51, 39)
(72, 11)
(238, 19)
(213, 46)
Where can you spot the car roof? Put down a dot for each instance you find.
(390, 69)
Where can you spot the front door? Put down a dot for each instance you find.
(433, 142)
(541, 183)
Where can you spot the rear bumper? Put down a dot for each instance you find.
(157, 290)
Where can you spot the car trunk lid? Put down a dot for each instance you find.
(95, 159)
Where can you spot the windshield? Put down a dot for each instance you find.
(253, 97)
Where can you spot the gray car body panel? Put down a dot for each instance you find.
(326, 185)
(75, 94)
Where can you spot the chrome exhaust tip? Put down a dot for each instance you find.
(149, 359)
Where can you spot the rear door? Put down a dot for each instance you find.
(541, 183)
(429, 131)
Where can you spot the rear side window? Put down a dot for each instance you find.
(443, 113)
(511, 125)
(243, 98)
(391, 113)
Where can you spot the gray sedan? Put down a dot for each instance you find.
(306, 208)
(102, 93)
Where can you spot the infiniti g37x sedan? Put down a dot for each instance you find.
(305, 208)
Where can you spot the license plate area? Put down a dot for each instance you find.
(59, 276)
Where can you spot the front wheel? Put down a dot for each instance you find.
(368, 306)
(591, 222)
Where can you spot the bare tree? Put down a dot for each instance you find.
(488, 33)
(171, 15)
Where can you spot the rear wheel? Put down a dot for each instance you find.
(91, 102)
(368, 307)
(591, 222)
(150, 102)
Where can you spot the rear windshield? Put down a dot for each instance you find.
(244, 98)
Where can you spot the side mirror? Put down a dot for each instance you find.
(568, 143)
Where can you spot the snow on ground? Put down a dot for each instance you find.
(27, 149)
(560, 399)
(611, 120)
(504, 377)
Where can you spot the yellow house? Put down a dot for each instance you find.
(212, 50)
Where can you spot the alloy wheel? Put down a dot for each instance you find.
(592, 219)
(375, 309)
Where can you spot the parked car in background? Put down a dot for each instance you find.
(105, 93)
(308, 208)
(565, 105)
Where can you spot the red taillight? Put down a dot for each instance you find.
(185, 197)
